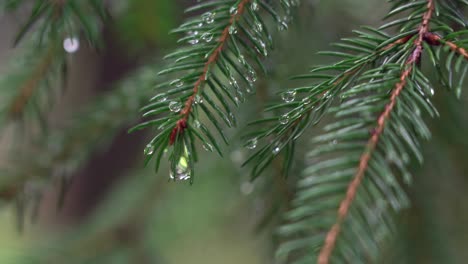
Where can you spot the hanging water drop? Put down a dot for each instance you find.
(182, 170)
(432, 91)
(233, 29)
(288, 96)
(71, 44)
(175, 106)
(284, 119)
(208, 17)
(193, 41)
(207, 36)
(149, 150)
(252, 143)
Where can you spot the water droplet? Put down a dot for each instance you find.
(198, 99)
(242, 59)
(182, 170)
(149, 149)
(276, 150)
(247, 188)
(208, 17)
(193, 41)
(306, 100)
(196, 124)
(432, 91)
(193, 37)
(160, 98)
(254, 6)
(282, 25)
(288, 96)
(252, 143)
(233, 29)
(284, 119)
(71, 44)
(233, 10)
(177, 83)
(207, 36)
(208, 147)
(258, 27)
(175, 106)
(264, 50)
(251, 76)
(334, 142)
(234, 83)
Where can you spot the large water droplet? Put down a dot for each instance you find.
(207, 36)
(208, 17)
(149, 149)
(71, 44)
(233, 29)
(182, 171)
(175, 106)
(288, 96)
(284, 119)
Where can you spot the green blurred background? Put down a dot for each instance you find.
(116, 211)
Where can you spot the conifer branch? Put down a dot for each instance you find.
(181, 124)
(330, 240)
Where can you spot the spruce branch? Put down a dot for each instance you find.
(224, 44)
(346, 202)
(330, 240)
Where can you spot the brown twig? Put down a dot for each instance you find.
(435, 39)
(31, 84)
(332, 235)
(181, 124)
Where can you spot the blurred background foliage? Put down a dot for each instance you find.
(116, 211)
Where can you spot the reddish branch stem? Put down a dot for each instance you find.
(435, 39)
(181, 124)
(332, 235)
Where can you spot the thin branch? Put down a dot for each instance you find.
(332, 235)
(435, 39)
(181, 124)
(32, 83)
